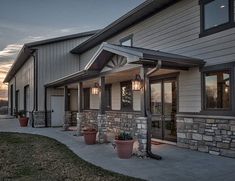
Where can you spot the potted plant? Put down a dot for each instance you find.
(90, 135)
(124, 143)
(22, 118)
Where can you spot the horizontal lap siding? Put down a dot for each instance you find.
(176, 30)
(190, 91)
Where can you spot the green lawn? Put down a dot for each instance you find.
(31, 157)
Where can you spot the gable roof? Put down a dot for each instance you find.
(28, 49)
(141, 12)
(143, 56)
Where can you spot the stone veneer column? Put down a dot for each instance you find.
(67, 118)
(39, 119)
(141, 134)
(80, 119)
(102, 128)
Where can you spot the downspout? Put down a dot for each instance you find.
(147, 112)
(35, 86)
(15, 99)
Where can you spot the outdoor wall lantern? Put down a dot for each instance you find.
(95, 89)
(136, 83)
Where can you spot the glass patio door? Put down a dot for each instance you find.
(163, 95)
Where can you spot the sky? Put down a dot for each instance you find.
(23, 21)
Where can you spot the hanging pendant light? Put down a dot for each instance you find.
(136, 83)
(95, 89)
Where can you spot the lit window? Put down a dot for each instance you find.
(126, 96)
(217, 90)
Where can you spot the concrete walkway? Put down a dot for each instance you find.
(177, 164)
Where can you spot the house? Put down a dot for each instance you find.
(164, 71)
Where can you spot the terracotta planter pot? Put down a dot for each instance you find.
(23, 121)
(89, 137)
(124, 148)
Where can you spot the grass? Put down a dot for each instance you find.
(32, 157)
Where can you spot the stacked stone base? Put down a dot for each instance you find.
(113, 122)
(38, 119)
(214, 135)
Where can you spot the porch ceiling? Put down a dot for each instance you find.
(143, 56)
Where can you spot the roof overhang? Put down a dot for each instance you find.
(142, 56)
(78, 76)
(141, 12)
(23, 55)
(29, 48)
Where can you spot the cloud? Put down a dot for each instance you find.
(9, 53)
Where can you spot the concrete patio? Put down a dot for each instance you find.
(177, 164)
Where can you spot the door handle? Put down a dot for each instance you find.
(52, 110)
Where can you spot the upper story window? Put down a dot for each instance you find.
(127, 41)
(216, 15)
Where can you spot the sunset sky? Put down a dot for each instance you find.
(23, 21)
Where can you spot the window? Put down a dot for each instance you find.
(108, 97)
(86, 98)
(126, 96)
(127, 41)
(217, 90)
(216, 15)
(17, 101)
(11, 99)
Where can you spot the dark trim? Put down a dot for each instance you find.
(129, 37)
(86, 105)
(215, 68)
(17, 92)
(102, 96)
(222, 27)
(66, 98)
(121, 85)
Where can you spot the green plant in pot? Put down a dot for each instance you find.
(22, 118)
(124, 144)
(89, 134)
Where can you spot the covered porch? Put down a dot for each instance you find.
(128, 89)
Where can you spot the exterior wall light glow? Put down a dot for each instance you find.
(95, 89)
(136, 84)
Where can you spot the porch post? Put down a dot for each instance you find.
(67, 115)
(102, 119)
(142, 120)
(79, 114)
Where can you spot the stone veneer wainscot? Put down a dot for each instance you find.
(211, 134)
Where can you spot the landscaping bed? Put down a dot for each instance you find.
(32, 157)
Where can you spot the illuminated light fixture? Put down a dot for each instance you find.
(136, 84)
(226, 89)
(95, 89)
(222, 6)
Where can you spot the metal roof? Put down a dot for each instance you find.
(27, 50)
(141, 12)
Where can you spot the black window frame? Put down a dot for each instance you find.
(218, 28)
(218, 111)
(86, 98)
(130, 108)
(129, 37)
